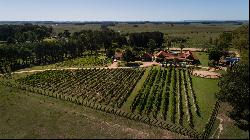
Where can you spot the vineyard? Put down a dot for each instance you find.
(106, 86)
(165, 98)
(168, 94)
(85, 61)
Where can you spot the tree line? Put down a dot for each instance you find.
(23, 33)
(234, 85)
(27, 45)
(237, 39)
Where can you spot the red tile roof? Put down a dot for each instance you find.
(164, 53)
(147, 55)
(187, 55)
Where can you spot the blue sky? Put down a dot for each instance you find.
(124, 10)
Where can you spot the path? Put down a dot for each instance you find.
(220, 127)
(148, 64)
(71, 68)
(113, 65)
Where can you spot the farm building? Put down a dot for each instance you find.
(188, 56)
(167, 56)
(147, 57)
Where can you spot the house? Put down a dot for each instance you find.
(188, 56)
(147, 57)
(163, 56)
(168, 56)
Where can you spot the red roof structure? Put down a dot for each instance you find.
(164, 54)
(147, 55)
(185, 56)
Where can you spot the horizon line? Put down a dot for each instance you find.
(188, 20)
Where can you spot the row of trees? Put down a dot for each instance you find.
(19, 54)
(36, 45)
(237, 39)
(23, 33)
(146, 39)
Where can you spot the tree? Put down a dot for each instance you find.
(215, 54)
(5, 69)
(234, 88)
(110, 52)
(182, 46)
(128, 55)
(168, 42)
(10, 40)
(151, 45)
(240, 39)
(240, 43)
(66, 33)
(140, 40)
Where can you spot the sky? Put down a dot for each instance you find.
(123, 10)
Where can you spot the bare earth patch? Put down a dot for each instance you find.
(148, 64)
(114, 65)
(206, 74)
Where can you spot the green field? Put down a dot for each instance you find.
(197, 34)
(149, 27)
(75, 28)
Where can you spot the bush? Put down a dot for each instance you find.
(243, 124)
(129, 64)
(211, 63)
(133, 64)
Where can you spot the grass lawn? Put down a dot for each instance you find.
(233, 132)
(205, 91)
(221, 72)
(203, 57)
(128, 103)
(28, 115)
(230, 129)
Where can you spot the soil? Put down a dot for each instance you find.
(206, 74)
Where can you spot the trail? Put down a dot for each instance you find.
(112, 66)
(220, 127)
(71, 68)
